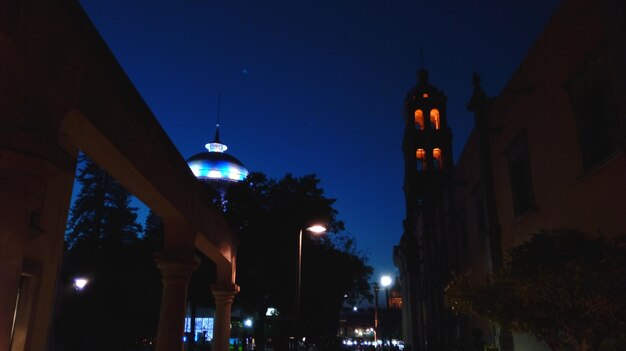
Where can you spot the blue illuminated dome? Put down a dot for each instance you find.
(215, 165)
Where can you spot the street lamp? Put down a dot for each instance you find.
(80, 283)
(376, 287)
(385, 282)
(316, 229)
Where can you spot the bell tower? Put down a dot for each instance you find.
(427, 136)
(424, 253)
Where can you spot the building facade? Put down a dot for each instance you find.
(546, 153)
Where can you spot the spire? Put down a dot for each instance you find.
(216, 145)
(422, 74)
(217, 134)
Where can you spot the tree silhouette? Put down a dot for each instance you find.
(268, 215)
(102, 239)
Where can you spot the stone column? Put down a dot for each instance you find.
(224, 295)
(176, 269)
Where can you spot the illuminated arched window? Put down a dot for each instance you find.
(434, 119)
(437, 158)
(419, 119)
(420, 154)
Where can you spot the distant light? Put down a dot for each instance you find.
(196, 170)
(80, 283)
(215, 174)
(247, 323)
(271, 311)
(355, 308)
(216, 147)
(217, 170)
(385, 281)
(233, 174)
(317, 229)
(346, 295)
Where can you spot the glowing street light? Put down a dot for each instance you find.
(80, 283)
(247, 323)
(317, 229)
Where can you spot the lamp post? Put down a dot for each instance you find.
(376, 287)
(317, 229)
(385, 282)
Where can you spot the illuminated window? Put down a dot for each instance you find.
(419, 119)
(421, 159)
(434, 118)
(425, 96)
(437, 158)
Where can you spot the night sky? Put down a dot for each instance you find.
(316, 86)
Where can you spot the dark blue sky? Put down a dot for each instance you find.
(316, 86)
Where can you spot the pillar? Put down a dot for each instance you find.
(224, 295)
(176, 269)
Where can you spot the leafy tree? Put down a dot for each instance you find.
(268, 215)
(563, 287)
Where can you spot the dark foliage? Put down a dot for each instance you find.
(564, 287)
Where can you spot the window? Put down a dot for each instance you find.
(592, 100)
(437, 158)
(24, 312)
(434, 119)
(419, 120)
(520, 175)
(420, 154)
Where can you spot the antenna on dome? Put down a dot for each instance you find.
(216, 145)
(217, 125)
(422, 58)
(219, 106)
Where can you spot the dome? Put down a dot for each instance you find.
(217, 166)
(214, 164)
